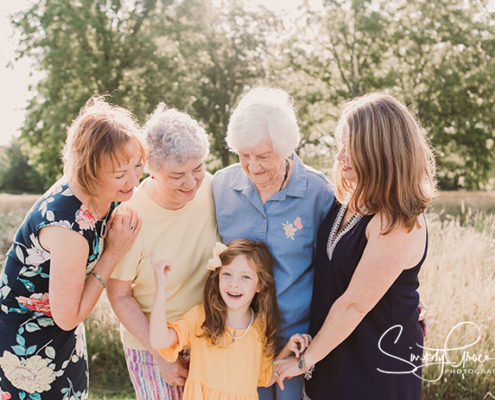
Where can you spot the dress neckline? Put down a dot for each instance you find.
(335, 235)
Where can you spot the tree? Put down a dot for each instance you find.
(190, 54)
(16, 174)
(225, 48)
(88, 47)
(336, 53)
(444, 52)
(437, 57)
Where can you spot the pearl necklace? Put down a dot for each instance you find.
(234, 337)
(334, 236)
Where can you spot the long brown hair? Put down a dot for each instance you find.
(264, 303)
(394, 165)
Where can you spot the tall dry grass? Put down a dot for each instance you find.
(452, 202)
(457, 284)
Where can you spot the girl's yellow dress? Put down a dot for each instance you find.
(229, 372)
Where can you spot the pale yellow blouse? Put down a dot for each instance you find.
(229, 372)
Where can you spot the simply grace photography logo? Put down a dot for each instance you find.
(459, 359)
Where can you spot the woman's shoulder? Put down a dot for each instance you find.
(407, 243)
(318, 188)
(380, 224)
(315, 177)
(58, 204)
(227, 173)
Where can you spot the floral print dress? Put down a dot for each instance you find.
(39, 360)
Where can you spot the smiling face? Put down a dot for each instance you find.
(238, 283)
(261, 163)
(117, 180)
(345, 160)
(178, 183)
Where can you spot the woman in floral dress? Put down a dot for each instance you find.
(56, 269)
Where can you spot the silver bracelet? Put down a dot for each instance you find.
(308, 372)
(97, 276)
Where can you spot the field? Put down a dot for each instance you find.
(457, 285)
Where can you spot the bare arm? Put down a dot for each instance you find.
(161, 336)
(128, 311)
(132, 317)
(73, 295)
(383, 260)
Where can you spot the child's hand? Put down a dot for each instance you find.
(160, 268)
(298, 343)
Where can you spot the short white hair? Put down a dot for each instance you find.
(264, 113)
(171, 135)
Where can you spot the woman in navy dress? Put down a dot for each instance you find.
(56, 269)
(370, 248)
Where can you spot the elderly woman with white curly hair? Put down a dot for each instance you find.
(176, 207)
(271, 196)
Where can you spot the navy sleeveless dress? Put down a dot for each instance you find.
(38, 360)
(374, 362)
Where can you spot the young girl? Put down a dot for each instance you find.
(232, 336)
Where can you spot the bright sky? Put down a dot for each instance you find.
(14, 80)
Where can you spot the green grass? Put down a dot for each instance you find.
(107, 368)
(457, 284)
(105, 394)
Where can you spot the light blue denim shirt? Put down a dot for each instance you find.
(288, 223)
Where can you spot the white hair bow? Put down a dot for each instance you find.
(215, 262)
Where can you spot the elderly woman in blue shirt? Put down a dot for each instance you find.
(272, 196)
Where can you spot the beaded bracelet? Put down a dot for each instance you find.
(97, 276)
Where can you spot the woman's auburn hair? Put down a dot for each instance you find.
(393, 163)
(264, 303)
(99, 134)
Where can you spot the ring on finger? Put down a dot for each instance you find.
(277, 373)
(131, 227)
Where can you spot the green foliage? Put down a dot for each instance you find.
(107, 366)
(88, 47)
(444, 52)
(224, 48)
(344, 53)
(201, 55)
(190, 55)
(17, 175)
(436, 56)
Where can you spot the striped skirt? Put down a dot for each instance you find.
(146, 379)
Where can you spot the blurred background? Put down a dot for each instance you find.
(200, 56)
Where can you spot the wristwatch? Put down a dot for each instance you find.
(308, 373)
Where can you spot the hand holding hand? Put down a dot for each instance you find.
(123, 227)
(174, 373)
(286, 368)
(298, 343)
